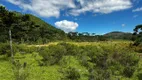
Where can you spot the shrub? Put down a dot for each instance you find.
(71, 49)
(24, 49)
(106, 61)
(70, 74)
(52, 54)
(5, 49)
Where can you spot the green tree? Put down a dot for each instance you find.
(8, 19)
(138, 35)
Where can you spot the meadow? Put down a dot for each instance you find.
(32, 49)
(103, 60)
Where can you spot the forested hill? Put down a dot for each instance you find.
(118, 35)
(27, 28)
(48, 32)
(51, 33)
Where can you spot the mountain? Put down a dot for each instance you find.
(118, 35)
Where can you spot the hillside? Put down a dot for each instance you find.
(52, 32)
(27, 28)
(118, 35)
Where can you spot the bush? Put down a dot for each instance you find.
(5, 49)
(99, 61)
(70, 74)
(107, 61)
(22, 48)
(52, 54)
(71, 49)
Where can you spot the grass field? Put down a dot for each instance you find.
(88, 43)
(108, 60)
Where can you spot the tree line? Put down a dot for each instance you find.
(91, 37)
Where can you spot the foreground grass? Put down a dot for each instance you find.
(111, 60)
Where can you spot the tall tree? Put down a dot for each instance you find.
(8, 19)
(138, 35)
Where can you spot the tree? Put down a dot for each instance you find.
(80, 34)
(25, 29)
(43, 33)
(3, 34)
(93, 34)
(73, 35)
(138, 35)
(86, 34)
(8, 19)
(17, 26)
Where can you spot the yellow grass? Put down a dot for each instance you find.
(123, 43)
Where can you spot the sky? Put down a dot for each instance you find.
(93, 16)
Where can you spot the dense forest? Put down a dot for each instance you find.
(65, 56)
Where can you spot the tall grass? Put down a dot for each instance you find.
(72, 61)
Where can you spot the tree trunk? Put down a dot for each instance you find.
(11, 48)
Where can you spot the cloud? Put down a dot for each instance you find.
(44, 8)
(123, 25)
(67, 26)
(53, 8)
(137, 9)
(101, 6)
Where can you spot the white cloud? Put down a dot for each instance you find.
(67, 26)
(53, 8)
(101, 6)
(138, 9)
(45, 8)
(123, 25)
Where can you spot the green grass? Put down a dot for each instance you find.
(6, 72)
(79, 57)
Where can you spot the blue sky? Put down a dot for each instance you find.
(94, 16)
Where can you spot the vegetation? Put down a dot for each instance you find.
(138, 35)
(69, 61)
(27, 28)
(118, 35)
(91, 57)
